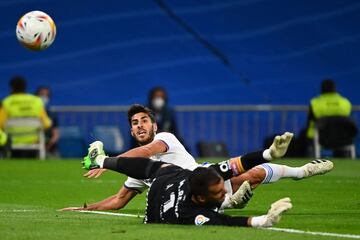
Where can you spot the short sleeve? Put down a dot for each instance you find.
(172, 143)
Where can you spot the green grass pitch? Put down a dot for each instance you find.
(31, 192)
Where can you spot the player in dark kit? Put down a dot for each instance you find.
(170, 199)
(180, 196)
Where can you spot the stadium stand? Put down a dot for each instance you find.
(276, 49)
(111, 137)
(72, 142)
(267, 52)
(212, 149)
(335, 133)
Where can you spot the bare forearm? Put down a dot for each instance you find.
(114, 202)
(137, 152)
(146, 151)
(110, 203)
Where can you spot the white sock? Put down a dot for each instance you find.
(100, 160)
(274, 172)
(266, 155)
(258, 221)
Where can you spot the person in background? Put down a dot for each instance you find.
(164, 115)
(4, 142)
(51, 134)
(328, 103)
(20, 104)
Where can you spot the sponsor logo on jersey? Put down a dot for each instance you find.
(234, 169)
(224, 166)
(201, 219)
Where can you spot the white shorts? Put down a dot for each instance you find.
(228, 187)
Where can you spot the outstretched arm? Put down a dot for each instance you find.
(147, 150)
(113, 202)
(272, 217)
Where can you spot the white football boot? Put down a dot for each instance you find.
(317, 167)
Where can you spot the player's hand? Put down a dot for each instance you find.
(280, 145)
(275, 211)
(273, 215)
(242, 196)
(94, 173)
(72, 209)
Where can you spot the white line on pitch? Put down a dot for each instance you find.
(314, 233)
(270, 229)
(113, 214)
(18, 210)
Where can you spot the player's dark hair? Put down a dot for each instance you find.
(137, 108)
(17, 84)
(200, 180)
(328, 86)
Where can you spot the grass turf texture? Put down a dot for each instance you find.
(329, 203)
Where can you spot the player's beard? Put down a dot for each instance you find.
(150, 138)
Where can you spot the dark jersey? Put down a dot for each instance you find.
(169, 201)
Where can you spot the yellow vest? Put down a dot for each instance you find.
(3, 138)
(328, 104)
(23, 105)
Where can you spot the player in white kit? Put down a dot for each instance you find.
(166, 147)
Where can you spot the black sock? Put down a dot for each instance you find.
(136, 167)
(253, 159)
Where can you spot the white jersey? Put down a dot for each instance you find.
(176, 154)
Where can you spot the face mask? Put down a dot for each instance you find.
(158, 103)
(45, 100)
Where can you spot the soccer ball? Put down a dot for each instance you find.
(36, 30)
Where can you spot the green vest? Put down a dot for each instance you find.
(22, 105)
(328, 104)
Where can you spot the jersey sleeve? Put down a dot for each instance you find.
(135, 184)
(210, 217)
(169, 139)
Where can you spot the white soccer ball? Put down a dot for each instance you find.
(36, 30)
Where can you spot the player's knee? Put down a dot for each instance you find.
(255, 176)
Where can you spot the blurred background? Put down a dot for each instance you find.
(235, 72)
